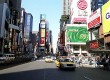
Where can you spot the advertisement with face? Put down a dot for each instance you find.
(80, 10)
(106, 18)
(76, 34)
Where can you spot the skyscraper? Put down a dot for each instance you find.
(66, 7)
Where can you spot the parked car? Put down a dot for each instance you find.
(9, 58)
(2, 59)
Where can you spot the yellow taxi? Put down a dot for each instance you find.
(65, 63)
(48, 59)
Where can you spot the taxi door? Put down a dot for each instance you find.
(57, 63)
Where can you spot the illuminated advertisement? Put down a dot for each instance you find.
(94, 19)
(42, 41)
(76, 34)
(80, 10)
(106, 17)
(95, 44)
(42, 32)
(43, 24)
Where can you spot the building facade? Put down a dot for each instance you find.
(100, 33)
(66, 6)
(12, 26)
(28, 26)
(95, 4)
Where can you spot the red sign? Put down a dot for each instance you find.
(93, 45)
(94, 22)
(79, 20)
(42, 40)
(47, 34)
(94, 19)
(82, 4)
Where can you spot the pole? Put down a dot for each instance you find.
(3, 46)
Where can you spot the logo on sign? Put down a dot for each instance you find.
(82, 4)
(107, 15)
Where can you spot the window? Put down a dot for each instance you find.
(83, 47)
(76, 47)
(100, 5)
(100, 0)
(96, 33)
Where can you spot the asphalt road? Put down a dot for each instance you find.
(39, 70)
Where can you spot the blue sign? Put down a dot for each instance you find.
(108, 15)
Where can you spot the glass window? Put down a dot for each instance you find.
(76, 47)
(96, 33)
(100, 5)
(100, 0)
(83, 47)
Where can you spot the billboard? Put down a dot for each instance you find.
(42, 41)
(106, 17)
(80, 10)
(42, 24)
(76, 34)
(42, 32)
(94, 19)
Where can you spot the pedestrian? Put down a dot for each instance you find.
(80, 62)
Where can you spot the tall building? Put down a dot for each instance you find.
(28, 26)
(12, 25)
(95, 4)
(66, 7)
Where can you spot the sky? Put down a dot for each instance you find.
(53, 11)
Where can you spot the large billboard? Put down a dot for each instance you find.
(76, 34)
(94, 19)
(42, 32)
(80, 10)
(106, 17)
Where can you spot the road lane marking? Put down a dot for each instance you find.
(87, 78)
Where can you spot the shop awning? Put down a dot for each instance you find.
(13, 27)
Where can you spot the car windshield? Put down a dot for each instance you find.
(65, 60)
(48, 57)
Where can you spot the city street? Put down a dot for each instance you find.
(39, 70)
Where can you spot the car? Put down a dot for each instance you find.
(48, 59)
(65, 63)
(2, 59)
(9, 57)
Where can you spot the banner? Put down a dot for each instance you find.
(106, 18)
(76, 34)
(94, 19)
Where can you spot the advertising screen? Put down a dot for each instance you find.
(106, 17)
(42, 32)
(76, 34)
